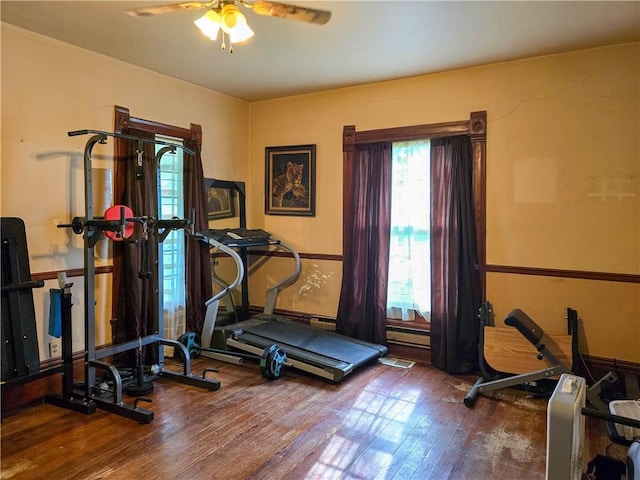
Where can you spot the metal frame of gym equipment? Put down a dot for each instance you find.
(536, 336)
(20, 352)
(242, 252)
(212, 305)
(272, 292)
(238, 252)
(86, 400)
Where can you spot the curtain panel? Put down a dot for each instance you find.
(136, 309)
(455, 277)
(199, 287)
(367, 216)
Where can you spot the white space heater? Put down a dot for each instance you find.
(565, 428)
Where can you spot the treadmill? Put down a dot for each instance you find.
(325, 354)
(319, 352)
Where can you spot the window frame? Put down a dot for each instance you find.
(124, 121)
(475, 127)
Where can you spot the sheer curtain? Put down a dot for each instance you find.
(410, 253)
(171, 205)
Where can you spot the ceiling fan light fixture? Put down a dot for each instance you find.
(241, 34)
(234, 24)
(209, 24)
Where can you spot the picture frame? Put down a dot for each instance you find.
(219, 202)
(290, 180)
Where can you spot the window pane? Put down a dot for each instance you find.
(410, 249)
(172, 263)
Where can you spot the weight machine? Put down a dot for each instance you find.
(117, 226)
(536, 336)
(559, 353)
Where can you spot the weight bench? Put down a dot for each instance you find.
(536, 336)
(20, 353)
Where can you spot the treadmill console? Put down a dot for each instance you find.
(239, 237)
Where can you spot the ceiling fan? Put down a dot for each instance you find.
(226, 16)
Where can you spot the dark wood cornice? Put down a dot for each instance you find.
(478, 126)
(196, 134)
(348, 138)
(414, 132)
(123, 121)
(475, 127)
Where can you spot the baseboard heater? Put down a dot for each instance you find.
(409, 337)
(396, 335)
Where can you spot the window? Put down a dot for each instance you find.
(172, 263)
(409, 288)
(196, 261)
(362, 310)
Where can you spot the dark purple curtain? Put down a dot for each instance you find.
(198, 262)
(135, 301)
(362, 310)
(455, 278)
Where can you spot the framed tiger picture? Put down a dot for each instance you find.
(290, 180)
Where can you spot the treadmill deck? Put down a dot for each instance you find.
(330, 352)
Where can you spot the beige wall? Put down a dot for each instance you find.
(560, 129)
(50, 88)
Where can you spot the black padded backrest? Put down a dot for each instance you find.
(527, 327)
(20, 355)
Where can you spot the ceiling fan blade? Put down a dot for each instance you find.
(291, 12)
(171, 8)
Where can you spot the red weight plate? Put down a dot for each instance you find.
(113, 213)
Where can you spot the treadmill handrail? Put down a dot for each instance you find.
(273, 290)
(239, 265)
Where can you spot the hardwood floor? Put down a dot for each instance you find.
(382, 422)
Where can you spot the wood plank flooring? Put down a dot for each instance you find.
(381, 423)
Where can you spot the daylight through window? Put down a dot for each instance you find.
(172, 267)
(409, 287)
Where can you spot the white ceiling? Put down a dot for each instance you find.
(364, 42)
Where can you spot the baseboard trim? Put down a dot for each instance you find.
(602, 364)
